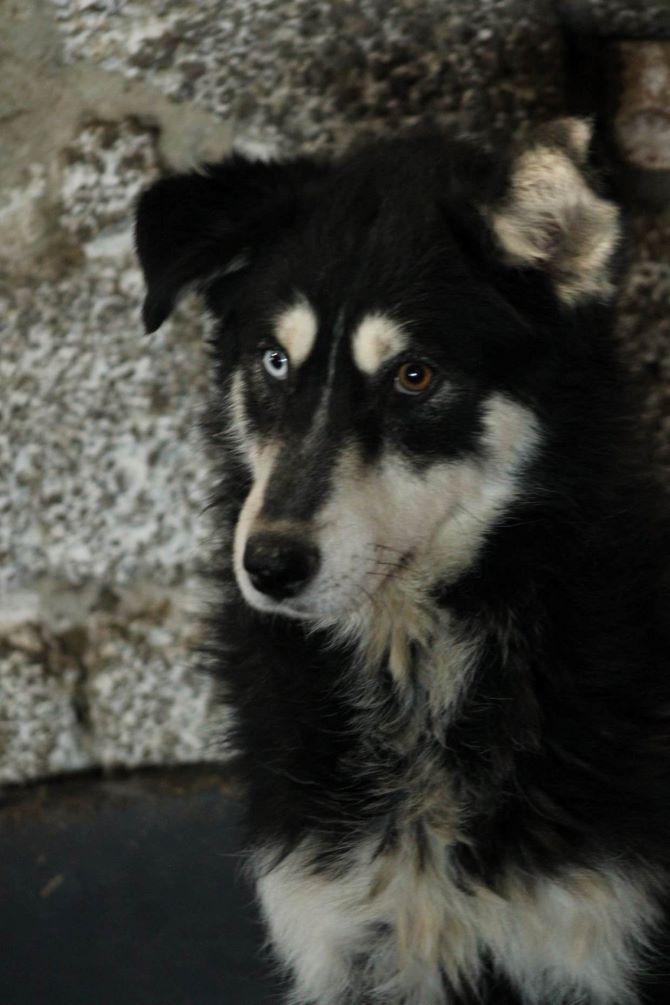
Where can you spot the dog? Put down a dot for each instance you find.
(443, 579)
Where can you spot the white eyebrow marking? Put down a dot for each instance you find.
(376, 339)
(296, 329)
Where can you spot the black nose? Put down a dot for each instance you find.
(278, 564)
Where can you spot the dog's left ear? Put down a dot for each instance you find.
(192, 228)
(550, 217)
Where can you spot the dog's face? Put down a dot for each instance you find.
(374, 350)
(378, 448)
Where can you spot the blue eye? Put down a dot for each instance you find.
(275, 362)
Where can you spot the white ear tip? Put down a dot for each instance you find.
(574, 135)
(580, 133)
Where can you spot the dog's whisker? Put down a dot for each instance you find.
(385, 547)
(389, 565)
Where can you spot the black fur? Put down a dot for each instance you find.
(561, 749)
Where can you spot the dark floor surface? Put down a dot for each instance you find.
(128, 890)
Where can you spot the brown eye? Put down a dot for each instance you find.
(413, 378)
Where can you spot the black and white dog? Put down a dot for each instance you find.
(443, 610)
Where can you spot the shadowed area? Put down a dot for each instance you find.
(128, 889)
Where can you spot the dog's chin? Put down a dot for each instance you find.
(299, 608)
(281, 608)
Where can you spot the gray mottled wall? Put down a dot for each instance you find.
(102, 481)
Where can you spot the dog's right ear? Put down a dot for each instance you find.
(192, 228)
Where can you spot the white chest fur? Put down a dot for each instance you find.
(387, 929)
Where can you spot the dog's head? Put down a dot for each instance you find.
(384, 322)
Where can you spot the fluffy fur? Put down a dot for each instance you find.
(443, 612)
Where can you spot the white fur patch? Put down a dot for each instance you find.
(237, 431)
(482, 488)
(263, 461)
(295, 330)
(557, 939)
(376, 340)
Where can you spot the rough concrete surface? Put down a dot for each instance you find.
(103, 483)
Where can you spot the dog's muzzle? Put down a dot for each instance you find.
(279, 565)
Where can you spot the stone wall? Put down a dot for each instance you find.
(102, 480)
